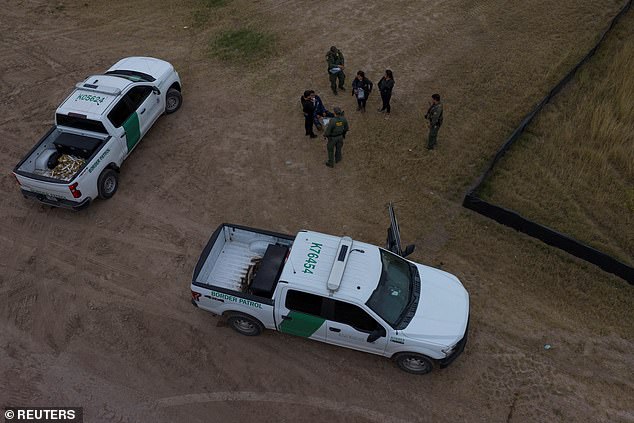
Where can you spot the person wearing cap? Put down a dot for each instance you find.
(434, 116)
(335, 133)
(336, 64)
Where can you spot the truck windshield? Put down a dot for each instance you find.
(133, 76)
(392, 297)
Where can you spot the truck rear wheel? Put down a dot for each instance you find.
(173, 100)
(245, 325)
(414, 363)
(108, 183)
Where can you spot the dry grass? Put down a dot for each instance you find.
(573, 170)
(242, 45)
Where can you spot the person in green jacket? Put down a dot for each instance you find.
(434, 116)
(335, 133)
(336, 63)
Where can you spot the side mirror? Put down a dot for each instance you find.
(409, 250)
(376, 334)
(156, 91)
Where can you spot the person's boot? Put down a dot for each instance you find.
(329, 164)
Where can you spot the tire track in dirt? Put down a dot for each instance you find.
(281, 398)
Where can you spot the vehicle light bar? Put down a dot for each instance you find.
(98, 88)
(336, 273)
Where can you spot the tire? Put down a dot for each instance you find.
(245, 325)
(108, 183)
(173, 100)
(414, 363)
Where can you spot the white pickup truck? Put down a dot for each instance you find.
(335, 290)
(95, 130)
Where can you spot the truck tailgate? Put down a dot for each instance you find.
(50, 190)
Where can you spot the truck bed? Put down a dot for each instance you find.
(53, 149)
(243, 259)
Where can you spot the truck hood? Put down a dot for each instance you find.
(443, 308)
(156, 68)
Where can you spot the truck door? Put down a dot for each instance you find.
(135, 112)
(149, 109)
(123, 118)
(352, 327)
(393, 242)
(301, 313)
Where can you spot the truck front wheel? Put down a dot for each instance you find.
(414, 363)
(245, 325)
(173, 100)
(108, 183)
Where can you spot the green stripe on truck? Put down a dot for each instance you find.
(132, 130)
(301, 324)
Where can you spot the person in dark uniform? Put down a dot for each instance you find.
(335, 133)
(386, 85)
(336, 63)
(320, 110)
(308, 108)
(434, 116)
(361, 89)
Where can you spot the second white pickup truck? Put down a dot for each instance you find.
(335, 290)
(95, 130)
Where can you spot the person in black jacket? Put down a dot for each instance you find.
(308, 107)
(386, 85)
(361, 89)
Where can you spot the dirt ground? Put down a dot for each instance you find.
(94, 306)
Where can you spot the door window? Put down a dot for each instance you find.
(137, 95)
(336, 311)
(128, 105)
(351, 315)
(304, 302)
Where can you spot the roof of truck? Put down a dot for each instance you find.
(94, 95)
(360, 275)
(154, 67)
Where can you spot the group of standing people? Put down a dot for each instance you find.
(337, 125)
(361, 86)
